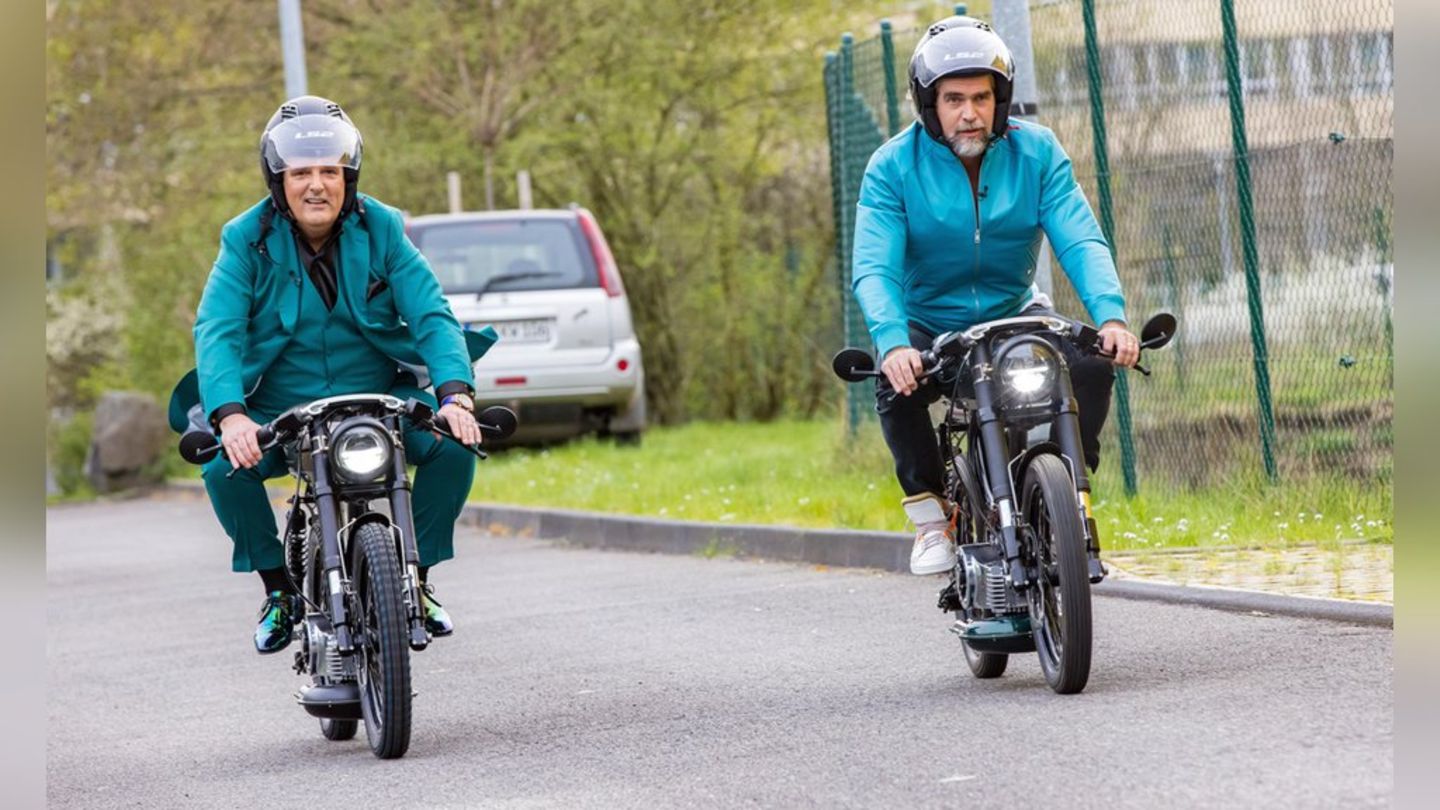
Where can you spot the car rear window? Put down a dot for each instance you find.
(466, 255)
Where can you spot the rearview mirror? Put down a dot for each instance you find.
(1158, 331)
(853, 365)
(501, 418)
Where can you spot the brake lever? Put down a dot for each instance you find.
(444, 430)
(264, 448)
(1111, 356)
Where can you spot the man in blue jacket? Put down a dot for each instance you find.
(317, 292)
(949, 226)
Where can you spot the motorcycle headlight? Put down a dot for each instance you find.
(1028, 370)
(362, 453)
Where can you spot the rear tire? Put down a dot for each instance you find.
(383, 664)
(338, 730)
(1060, 596)
(985, 665)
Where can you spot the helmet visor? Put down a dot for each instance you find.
(312, 140)
(961, 50)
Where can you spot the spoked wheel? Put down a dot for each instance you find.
(318, 591)
(968, 529)
(383, 664)
(1060, 596)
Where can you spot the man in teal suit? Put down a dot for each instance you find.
(317, 292)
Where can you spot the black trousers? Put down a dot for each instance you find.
(906, 423)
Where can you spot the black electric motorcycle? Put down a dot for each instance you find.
(356, 566)
(1027, 545)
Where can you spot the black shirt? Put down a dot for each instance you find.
(320, 265)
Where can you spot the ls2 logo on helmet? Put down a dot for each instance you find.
(314, 133)
(950, 57)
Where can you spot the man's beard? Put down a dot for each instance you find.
(964, 147)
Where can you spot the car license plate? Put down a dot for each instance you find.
(532, 331)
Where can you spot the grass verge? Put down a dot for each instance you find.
(811, 474)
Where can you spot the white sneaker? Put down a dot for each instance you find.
(934, 549)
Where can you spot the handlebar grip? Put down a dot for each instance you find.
(200, 446)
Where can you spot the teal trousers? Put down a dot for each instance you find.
(441, 482)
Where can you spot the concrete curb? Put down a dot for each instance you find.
(888, 551)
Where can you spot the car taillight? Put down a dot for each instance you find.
(600, 251)
(509, 380)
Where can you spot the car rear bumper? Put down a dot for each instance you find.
(596, 385)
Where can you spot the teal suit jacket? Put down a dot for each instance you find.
(252, 298)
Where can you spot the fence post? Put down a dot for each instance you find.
(1107, 224)
(1235, 90)
(845, 225)
(892, 96)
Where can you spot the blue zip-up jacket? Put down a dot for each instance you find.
(924, 255)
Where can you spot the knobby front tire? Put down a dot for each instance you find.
(1060, 596)
(384, 663)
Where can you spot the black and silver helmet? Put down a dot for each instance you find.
(309, 131)
(960, 46)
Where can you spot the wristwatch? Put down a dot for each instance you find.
(463, 400)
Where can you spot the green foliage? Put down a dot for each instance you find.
(695, 133)
(70, 441)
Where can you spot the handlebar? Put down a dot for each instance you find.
(201, 446)
(853, 365)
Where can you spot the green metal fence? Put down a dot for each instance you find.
(1238, 153)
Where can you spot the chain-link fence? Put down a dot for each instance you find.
(1238, 152)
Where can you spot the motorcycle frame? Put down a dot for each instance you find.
(325, 496)
(996, 468)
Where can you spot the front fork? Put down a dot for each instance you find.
(328, 512)
(996, 452)
(404, 520)
(1067, 435)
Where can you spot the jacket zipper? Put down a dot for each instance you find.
(975, 265)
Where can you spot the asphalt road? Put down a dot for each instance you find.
(584, 679)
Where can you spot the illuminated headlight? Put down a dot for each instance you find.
(362, 453)
(1027, 371)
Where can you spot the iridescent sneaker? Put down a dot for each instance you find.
(437, 621)
(278, 615)
(934, 549)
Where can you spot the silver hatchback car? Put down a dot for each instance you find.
(567, 361)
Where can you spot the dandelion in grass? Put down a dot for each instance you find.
(664, 511)
(803, 501)
(1283, 526)
(728, 516)
(724, 501)
(530, 483)
(1129, 535)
